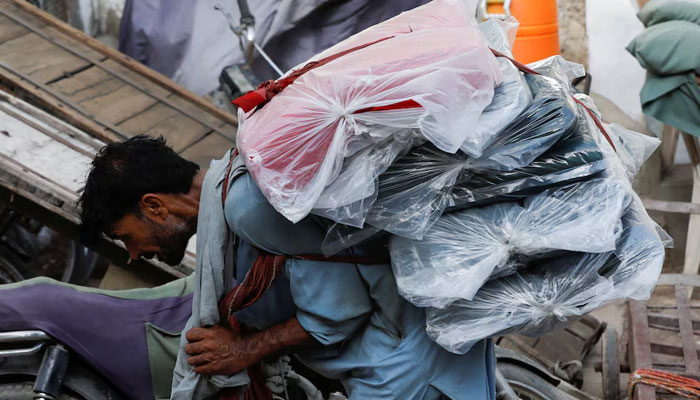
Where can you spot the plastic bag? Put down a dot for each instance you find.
(510, 97)
(428, 69)
(574, 158)
(416, 188)
(556, 291)
(463, 249)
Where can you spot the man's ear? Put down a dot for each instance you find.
(153, 206)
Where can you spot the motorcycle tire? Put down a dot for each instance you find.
(25, 391)
(8, 271)
(527, 384)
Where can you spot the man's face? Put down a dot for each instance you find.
(147, 237)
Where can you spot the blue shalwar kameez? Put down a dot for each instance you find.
(371, 339)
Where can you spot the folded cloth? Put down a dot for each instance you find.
(668, 48)
(428, 69)
(552, 293)
(658, 11)
(673, 100)
(416, 188)
(574, 158)
(463, 249)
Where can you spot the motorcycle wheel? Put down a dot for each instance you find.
(8, 272)
(24, 391)
(527, 384)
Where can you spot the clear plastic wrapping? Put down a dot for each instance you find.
(574, 158)
(553, 292)
(415, 190)
(544, 294)
(463, 249)
(435, 56)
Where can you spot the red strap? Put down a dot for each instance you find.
(267, 90)
(529, 70)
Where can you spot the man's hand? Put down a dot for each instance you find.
(221, 351)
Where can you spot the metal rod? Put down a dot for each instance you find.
(23, 336)
(268, 59)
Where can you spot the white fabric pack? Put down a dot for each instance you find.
(549, 293)
(548, 296)
(433, 56)
(348, 202)
(464, 248)
(415, 190)
(510, 97)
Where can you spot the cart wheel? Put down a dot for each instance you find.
(610, 366)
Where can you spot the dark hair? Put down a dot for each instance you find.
(121, 174)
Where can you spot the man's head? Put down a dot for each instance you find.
(140, 192)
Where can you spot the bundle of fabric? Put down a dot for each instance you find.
(297, 132)
(534, 265)
(552, 292)
(504, 194)
(464, 249)
(667, 49)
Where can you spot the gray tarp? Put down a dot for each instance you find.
(191, 43)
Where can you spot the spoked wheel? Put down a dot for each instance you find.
(527, 385)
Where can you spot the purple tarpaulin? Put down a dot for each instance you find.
(106, 331)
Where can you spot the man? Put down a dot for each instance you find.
(342, 317)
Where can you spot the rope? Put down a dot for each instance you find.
(670, 382)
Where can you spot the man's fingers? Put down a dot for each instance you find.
(194, 348)
(197, 360)
(196, 334)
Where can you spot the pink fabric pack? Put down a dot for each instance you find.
(426, 74)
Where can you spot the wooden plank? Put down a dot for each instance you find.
(122, 59)
(113, 102)
(680, 207)
(59, 104)
(692, 249)
(161, 120)
(685, 323)
(669, 145)
(20, 18)
(678, 279)
(81, 81)
(639, 346)
(9, 30)
(212, 147)
(38, 58)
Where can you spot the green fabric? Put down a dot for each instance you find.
(176, 288)
(673, 100)
(163, 347)
(658, 11)
(668, 48)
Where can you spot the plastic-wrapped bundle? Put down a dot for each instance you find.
(574, 158)
(463, 249)
(510, 97)
(416, 188)
(428, 69)
(547, 296)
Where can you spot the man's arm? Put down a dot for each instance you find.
(221, 351)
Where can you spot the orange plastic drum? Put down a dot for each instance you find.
(538, 34)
